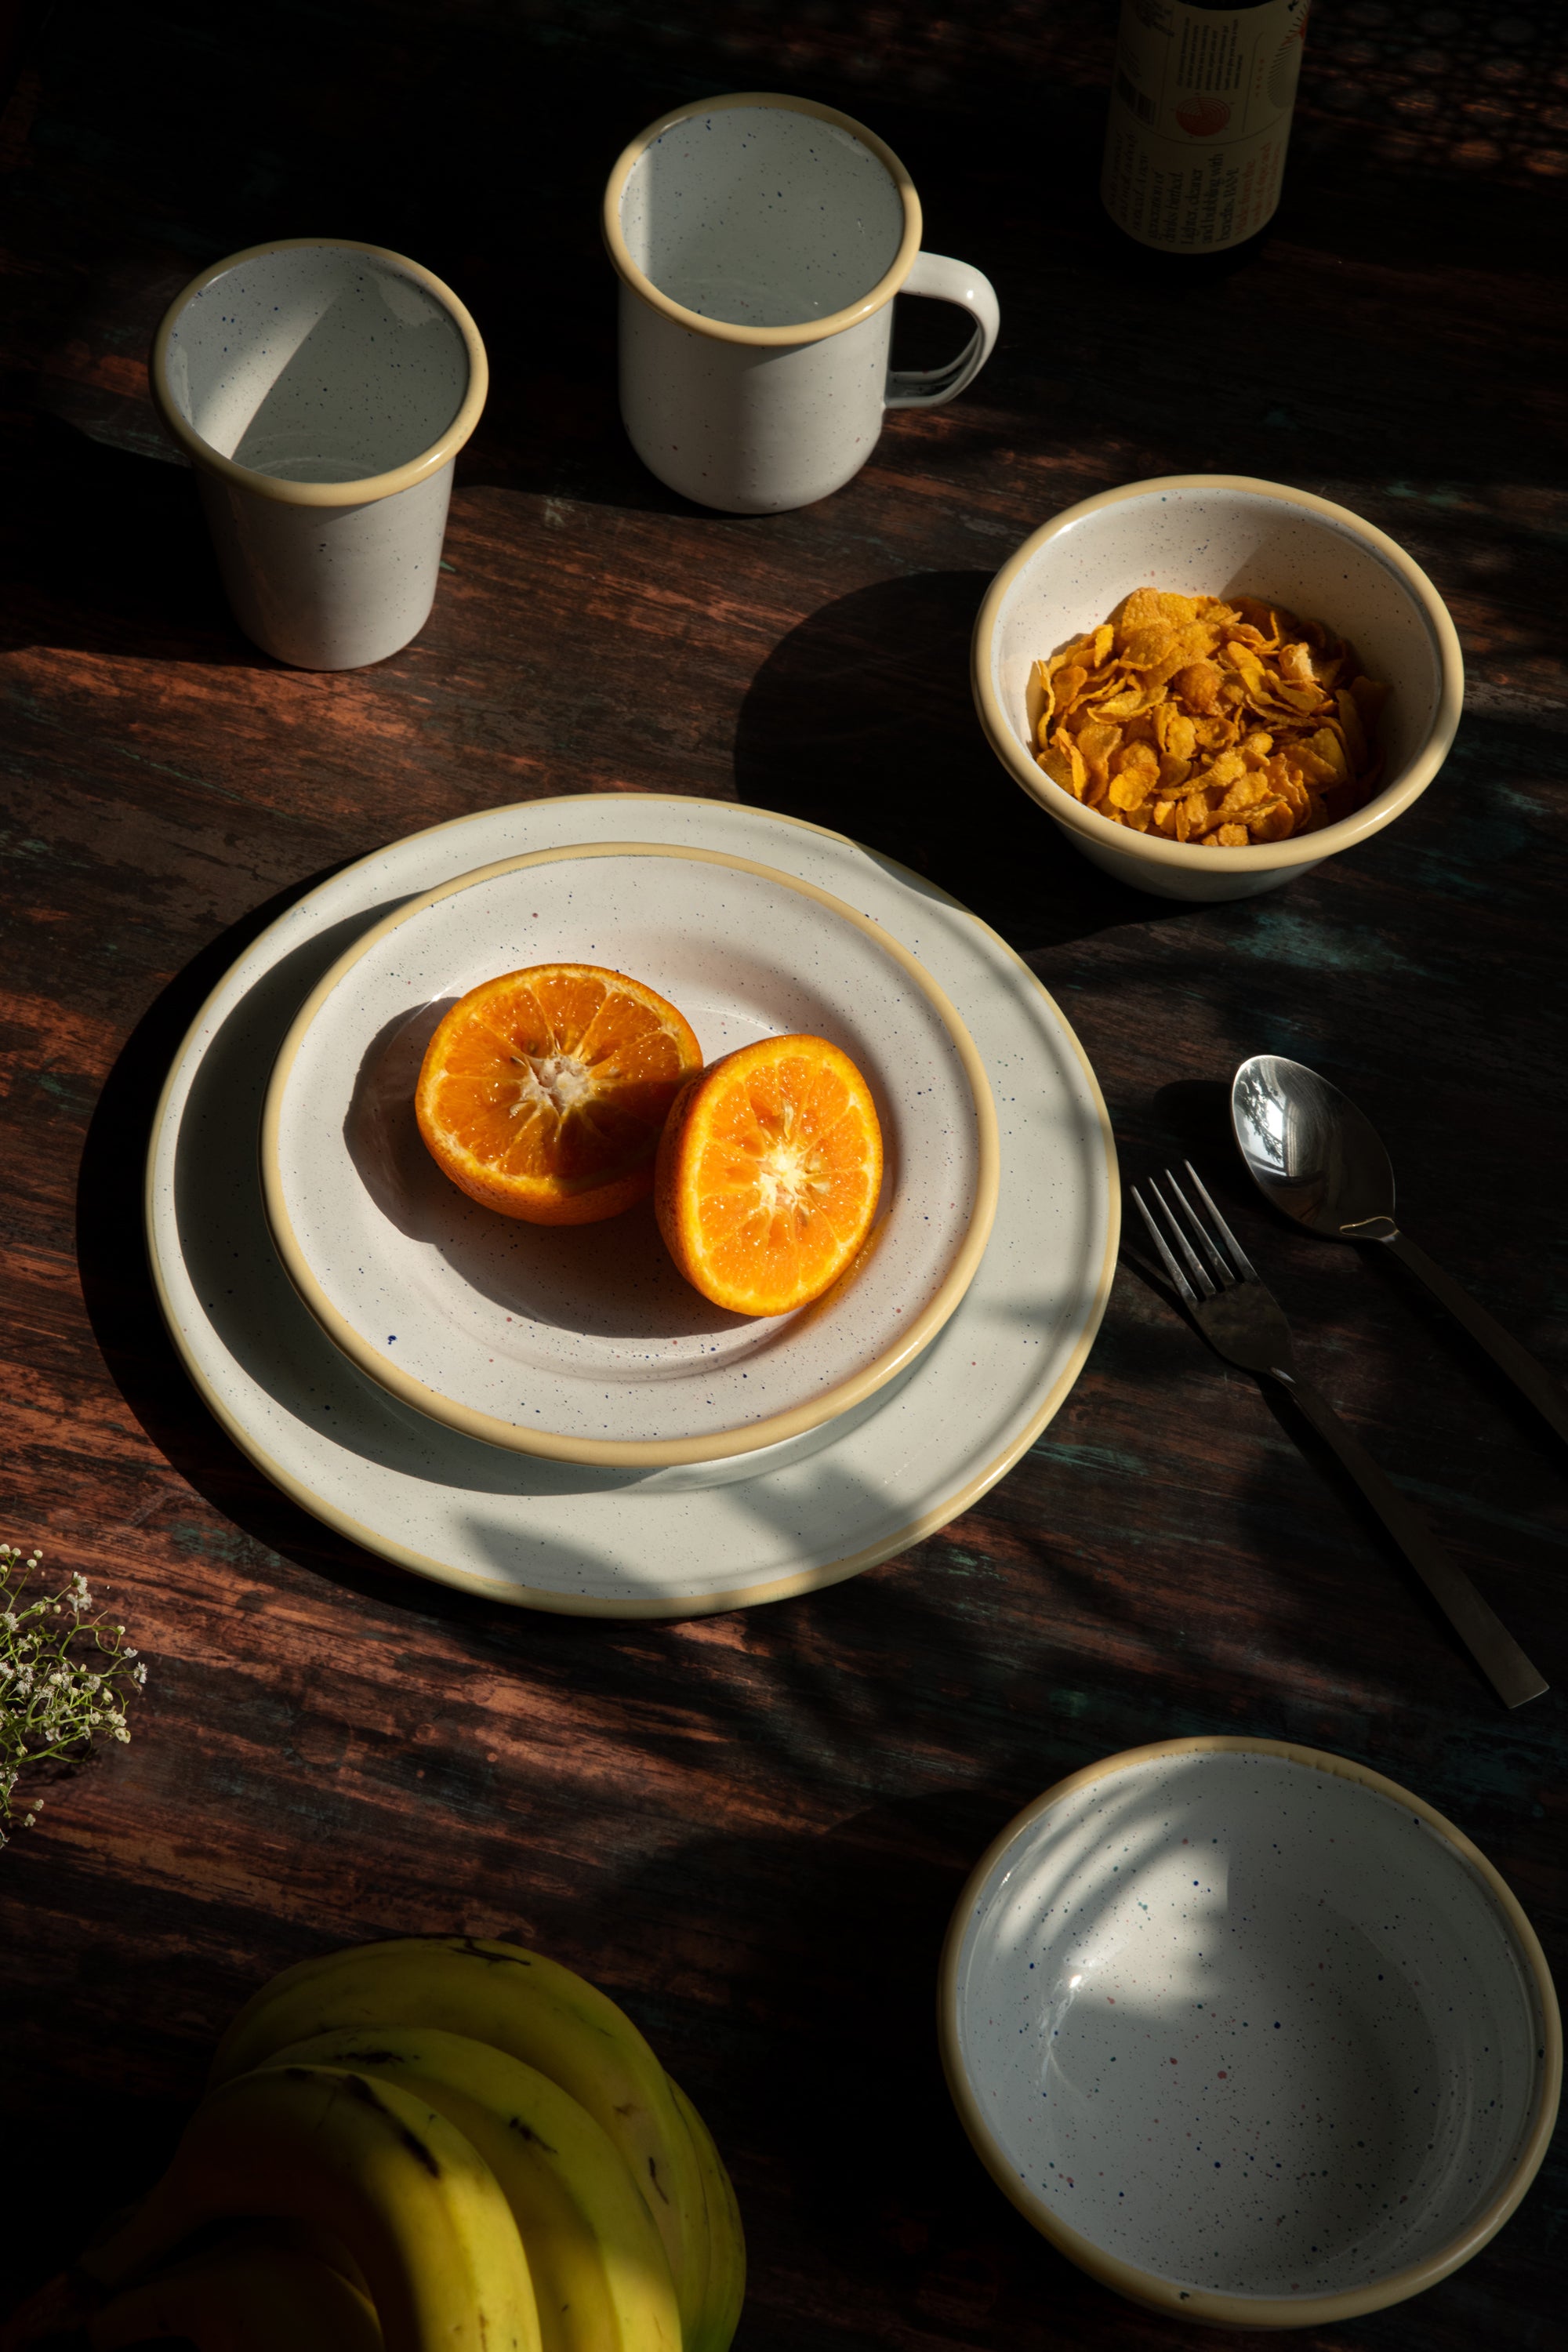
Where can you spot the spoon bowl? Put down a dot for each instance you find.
(1311, 1151)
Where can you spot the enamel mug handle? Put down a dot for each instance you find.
(947, 281)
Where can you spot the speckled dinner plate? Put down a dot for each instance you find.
(584, 1343)
(588, 1539)
(1251, 2033)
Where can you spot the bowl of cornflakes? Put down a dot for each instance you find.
(1213, 683)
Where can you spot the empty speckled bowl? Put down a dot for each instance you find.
(1252, 2035)
(321, 389)
(583, 1343)
(1218, 535)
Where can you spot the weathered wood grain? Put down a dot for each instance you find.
(753, 1829)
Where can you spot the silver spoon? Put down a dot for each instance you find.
(1314, 1155)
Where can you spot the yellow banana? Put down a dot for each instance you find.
(416, 2207)
(600, 2273)
(534, 2010)
(254, 2297)
(727, 2239)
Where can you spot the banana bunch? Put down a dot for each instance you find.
(451, 2144)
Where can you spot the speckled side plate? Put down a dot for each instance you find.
(627, 1543)
(1251, 2034)
(583, 1343)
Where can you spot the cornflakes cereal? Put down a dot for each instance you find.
(1220, 722)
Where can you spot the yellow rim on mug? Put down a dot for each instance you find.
(1299, 849)
(1205, 2307)
(632, 1606)
(635, 1453)
(727, 330)
(371, 487)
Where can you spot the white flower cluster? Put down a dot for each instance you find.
(51, 1702)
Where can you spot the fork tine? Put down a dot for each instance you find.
(1211, 1248)
(1193, 1261)
(1248, 1271)
(1158, 1238)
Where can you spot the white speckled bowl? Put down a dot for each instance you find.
(1218, 535)
(1252, 2035)
(583, 1343)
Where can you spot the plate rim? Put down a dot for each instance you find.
(633, 1453)
(1209, 2306)
(640, 1607)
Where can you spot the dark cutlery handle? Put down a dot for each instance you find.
(1546, 1393)
(1484, 1634)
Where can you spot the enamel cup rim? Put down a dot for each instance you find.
(370, 487)
(729, 331)
(1299, 849)
(1215, 2307)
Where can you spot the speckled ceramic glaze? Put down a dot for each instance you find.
(321, 389)
(634, 1543)
(760, 241)
(1219, 535)
(1251, 2033)
(585, 1344)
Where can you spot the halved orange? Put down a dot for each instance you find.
(544, 1092)
(768, 1176)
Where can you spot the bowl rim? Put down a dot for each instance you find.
(733, 331)
(649, 1453)
(367, 488)
(1212, 2307)
(1300, 849)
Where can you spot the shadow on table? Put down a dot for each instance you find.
(1197, 1114)
(862, 719)
(862, 2173)
(111, 1256)
(117, 1283)
(104, 550)
(849, 2161)
(1328, 1291)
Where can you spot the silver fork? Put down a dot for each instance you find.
(1241, 1320)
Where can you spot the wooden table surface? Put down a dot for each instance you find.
(752, 1829)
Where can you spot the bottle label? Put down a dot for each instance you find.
(1200, 114)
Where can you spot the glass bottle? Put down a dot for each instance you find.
(1201, 102)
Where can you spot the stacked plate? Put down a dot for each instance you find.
(564, 1424)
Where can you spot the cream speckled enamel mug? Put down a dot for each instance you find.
(760, 241)
(321, 389)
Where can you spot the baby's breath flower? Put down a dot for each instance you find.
(50, 1703)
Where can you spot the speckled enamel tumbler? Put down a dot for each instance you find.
(321, 389)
